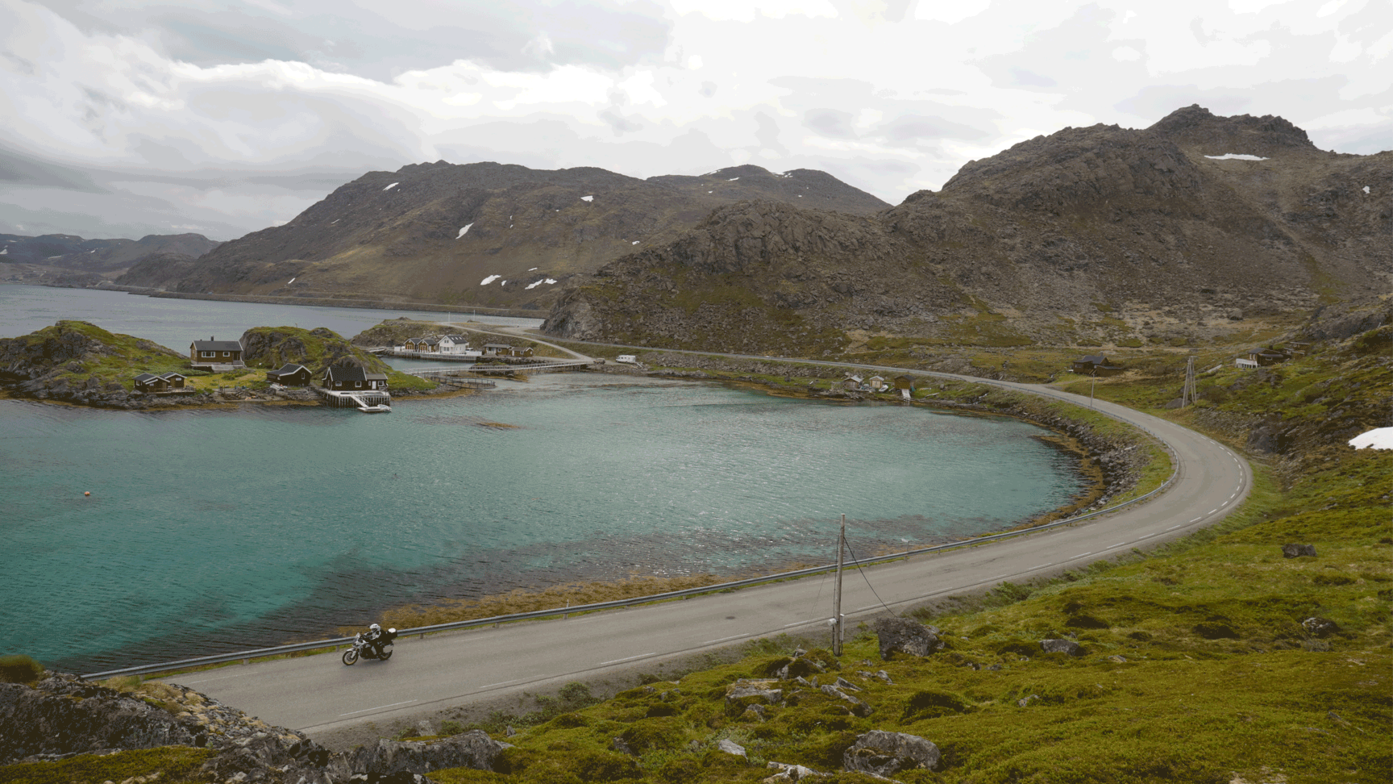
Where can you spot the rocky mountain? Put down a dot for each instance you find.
(67, 258)
(484, 234)
(1100, 236)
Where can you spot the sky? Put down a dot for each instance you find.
(123, 118)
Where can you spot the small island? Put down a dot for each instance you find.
(79, 363)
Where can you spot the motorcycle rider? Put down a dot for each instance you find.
(373, 637)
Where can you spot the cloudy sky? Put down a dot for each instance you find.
(130, 117)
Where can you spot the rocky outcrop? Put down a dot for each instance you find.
(901, 635)
(1066, 647)
(473, 749)
(1088, 236)
(62, 716)
(1298, 551)
(882, 753)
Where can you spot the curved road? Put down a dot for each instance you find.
(323, 698)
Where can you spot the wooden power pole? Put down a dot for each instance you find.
(837, 594)
(1188, 396)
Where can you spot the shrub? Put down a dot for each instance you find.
(19, 668)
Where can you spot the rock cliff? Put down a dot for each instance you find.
(1092, 236)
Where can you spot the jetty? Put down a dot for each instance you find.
(369, 401)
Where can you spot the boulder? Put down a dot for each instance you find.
(746, 692)
(1067, 647)
(731, 747)
(882, 753)
(858, 706)
(1298, 550)
(1320, 627)
(906, 636)
(791, 773)
(473, 749)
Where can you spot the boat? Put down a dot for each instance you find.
(380, 408)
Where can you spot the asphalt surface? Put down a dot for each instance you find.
(320, 696)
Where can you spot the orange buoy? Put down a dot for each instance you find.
(87, 492)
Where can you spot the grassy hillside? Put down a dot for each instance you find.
(1213, 659)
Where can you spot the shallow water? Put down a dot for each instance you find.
(217, 530)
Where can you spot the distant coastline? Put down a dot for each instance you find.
(326, 302)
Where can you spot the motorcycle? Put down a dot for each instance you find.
(380, 649)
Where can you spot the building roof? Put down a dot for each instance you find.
(290, 369)
(348, 373)
(145, 377)
(171, 375)
(497, 345)
(217, 345)
(1093, 359)
(345, 373)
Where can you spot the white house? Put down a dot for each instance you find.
(629, 358)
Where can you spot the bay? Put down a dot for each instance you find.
(216, 530)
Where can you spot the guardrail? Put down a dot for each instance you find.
(278, 650)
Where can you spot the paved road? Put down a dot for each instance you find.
(322, 697)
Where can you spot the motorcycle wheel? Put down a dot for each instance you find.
(350, 656)
(386, 654)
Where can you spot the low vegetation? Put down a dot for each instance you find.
(1215, 658)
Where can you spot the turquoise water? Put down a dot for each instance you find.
(210, 531)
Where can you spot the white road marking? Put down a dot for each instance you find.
(1196, 520)
(1212, 511)
(629, 658)
(1080, 555)
(379, 707)
(723, 639)
(1172, 528)
(500, 683)
(1119, 544)
(797, 623)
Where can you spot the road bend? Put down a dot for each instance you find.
(321, 697)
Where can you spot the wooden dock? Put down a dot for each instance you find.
(361, 400)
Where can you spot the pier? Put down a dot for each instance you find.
(371, 400)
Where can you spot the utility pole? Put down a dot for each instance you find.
(1188, 397)
(837, 594)
(1092, 383)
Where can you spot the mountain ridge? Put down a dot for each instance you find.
(484, 233)
(1097, 236)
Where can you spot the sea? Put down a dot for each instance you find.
(208, 531)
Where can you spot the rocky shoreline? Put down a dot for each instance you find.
(62, 716)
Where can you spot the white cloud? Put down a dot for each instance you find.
(182, 119)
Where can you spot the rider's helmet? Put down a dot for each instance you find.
(375, 628)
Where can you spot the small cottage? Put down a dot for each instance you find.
(290, 375)
(154, 384)
(521, 351)
(497, 349)
(877, 383)
(350, 378)
(1268, 356)
(905, 383)
(207, 353)
(852, 383)
(1095, 365)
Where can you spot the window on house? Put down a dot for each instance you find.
(227, 353)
